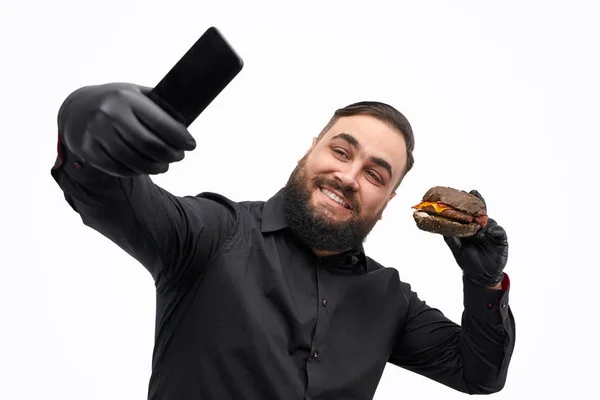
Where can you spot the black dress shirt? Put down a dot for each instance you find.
(245, 311)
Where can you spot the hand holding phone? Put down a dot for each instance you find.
(128, 130)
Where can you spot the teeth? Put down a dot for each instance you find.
(334, 197)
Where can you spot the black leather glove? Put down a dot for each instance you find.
(116, 128)
(482, 257)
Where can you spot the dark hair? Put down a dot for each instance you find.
(385, 113)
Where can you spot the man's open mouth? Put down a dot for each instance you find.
(335, 198)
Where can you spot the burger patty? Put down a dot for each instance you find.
(483, 220)
(457, 215)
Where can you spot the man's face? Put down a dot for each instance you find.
(340, 188)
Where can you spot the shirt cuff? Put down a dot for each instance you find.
(487, 304)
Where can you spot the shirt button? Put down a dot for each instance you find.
(503, 305)
(324, 302)
(315, 354)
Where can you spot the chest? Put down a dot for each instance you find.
(273, 291)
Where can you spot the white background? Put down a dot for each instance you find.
(502, 96)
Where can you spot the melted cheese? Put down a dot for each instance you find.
(437, 206)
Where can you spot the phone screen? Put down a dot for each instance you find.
(198, 77)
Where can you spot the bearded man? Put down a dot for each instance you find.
(277, 299)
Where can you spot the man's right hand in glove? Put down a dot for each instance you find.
(116, 128)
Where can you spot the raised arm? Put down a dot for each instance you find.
(111, 137)
(472, 357)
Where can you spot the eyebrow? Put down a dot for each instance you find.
(377, 160)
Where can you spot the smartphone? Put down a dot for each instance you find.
(198, 77)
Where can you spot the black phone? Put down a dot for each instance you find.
(198, 77)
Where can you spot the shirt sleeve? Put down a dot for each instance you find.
(472, 357)
(173, 237)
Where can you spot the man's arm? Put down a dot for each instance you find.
(472, 357)
(172, 236)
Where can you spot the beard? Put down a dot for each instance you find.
(314, 226)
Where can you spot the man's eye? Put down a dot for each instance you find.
(374, 175)
(341, 153)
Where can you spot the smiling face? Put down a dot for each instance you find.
(340, 188)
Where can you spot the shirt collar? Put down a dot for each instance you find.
(273, 219)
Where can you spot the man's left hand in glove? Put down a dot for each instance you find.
(482, 257)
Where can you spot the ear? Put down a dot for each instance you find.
(385, 205)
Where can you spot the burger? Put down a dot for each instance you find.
(450, 212)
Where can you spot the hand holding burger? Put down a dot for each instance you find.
(479, 245)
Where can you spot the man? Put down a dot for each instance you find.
(277, 299)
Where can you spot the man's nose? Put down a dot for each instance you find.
(348, 178)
